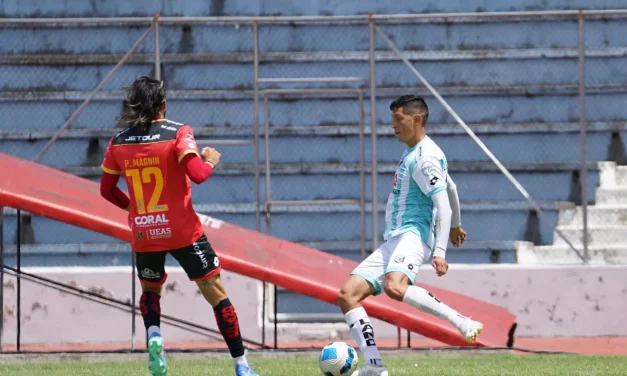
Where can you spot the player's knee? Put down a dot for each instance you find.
(353, 292)
(346, 297)
(395, 289)
(152, 288)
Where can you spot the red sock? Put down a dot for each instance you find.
(150, 306)
(229, 327)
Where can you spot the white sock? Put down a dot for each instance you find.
(240, 360)
(423, 300)
(362, 331)
(153, 329)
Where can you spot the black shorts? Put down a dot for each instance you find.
(198, 260)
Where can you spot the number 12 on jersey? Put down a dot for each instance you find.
(141, 177)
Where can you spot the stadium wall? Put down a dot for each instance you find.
(186, 8)
(593, 305)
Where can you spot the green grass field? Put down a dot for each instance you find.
(484, 365)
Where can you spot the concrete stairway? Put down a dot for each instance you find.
(607, 226)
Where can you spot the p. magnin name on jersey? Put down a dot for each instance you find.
(154, 137)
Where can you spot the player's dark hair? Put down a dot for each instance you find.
(143, 102)
(411, 104)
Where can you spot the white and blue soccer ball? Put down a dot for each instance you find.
(338, 359)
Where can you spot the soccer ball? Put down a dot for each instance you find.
(338, 359)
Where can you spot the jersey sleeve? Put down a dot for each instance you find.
(430, 174)
(185, 143)
(109, 165)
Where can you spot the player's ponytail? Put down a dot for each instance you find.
(143, 102)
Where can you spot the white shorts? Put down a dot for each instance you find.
(403, 253)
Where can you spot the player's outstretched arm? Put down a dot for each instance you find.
(457, 234)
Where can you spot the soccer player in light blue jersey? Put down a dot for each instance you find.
(422, 213)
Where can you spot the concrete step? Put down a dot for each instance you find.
(339, 130)
(526, 253)
(611, 196)
(621, 176)
(504, 106)
(605, 235)
(598, 215)
(612, 176)
(289, 149)
(233, 37)
(607, 174)
(215, 75)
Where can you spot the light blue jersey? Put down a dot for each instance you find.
(421, 173)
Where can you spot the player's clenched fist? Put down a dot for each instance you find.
(458, 236)
(440, 266)
(211, 156)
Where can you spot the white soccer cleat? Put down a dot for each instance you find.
(371, 370)
(471, 329)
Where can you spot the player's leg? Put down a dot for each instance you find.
(203, 267)
(407, 257)
(363, 282)
(152, 276)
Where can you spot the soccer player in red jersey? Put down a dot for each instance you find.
(158, 158)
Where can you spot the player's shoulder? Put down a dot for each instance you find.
(428, 157)
(119, 137)
(428, 149)
(169, 126)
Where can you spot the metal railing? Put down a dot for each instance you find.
(372, 26)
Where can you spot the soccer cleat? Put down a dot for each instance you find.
(244, 370)
(471, 329)
(157, 364)
(371, 370)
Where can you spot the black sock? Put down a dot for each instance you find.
(151, 309)
(229, 327)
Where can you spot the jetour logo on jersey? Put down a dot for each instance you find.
(154, 137)
(151, 220)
